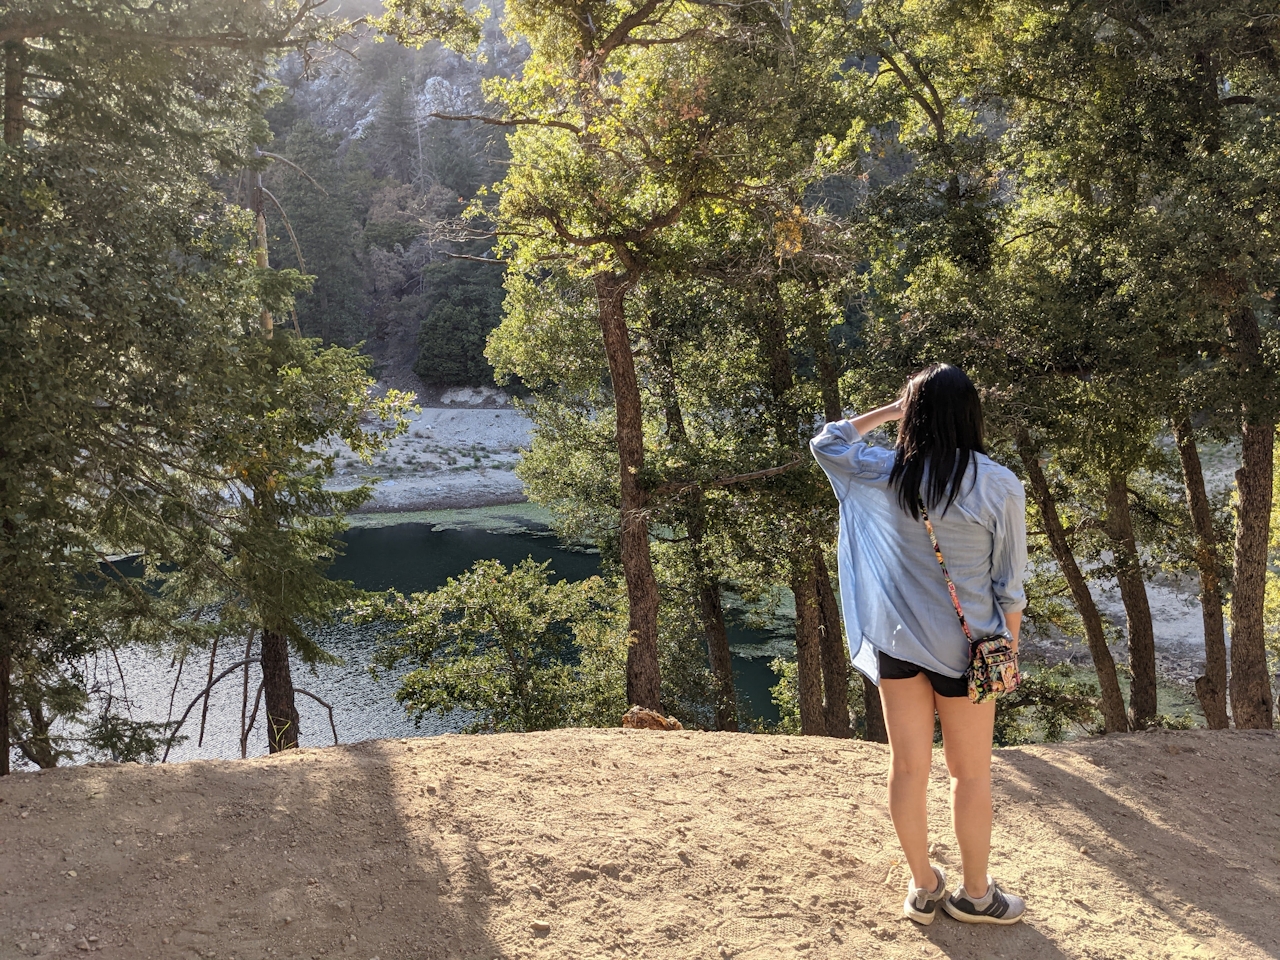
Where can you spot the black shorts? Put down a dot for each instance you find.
(891, 668)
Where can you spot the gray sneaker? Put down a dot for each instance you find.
(996, 907)
(921, 905)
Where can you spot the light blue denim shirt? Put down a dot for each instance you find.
(892, 591)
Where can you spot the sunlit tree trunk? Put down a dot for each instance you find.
(643, 680)
(1113, 713)
(813, 721)
(835, 655)
(1251, 703)
(1137, 608)
(1212, 687)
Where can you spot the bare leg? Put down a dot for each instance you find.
(908, 716)
(966, 737)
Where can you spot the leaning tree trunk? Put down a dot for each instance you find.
(14, 102)
(808, 649)
(1137, 609)
(643, 681)
(1114, 719)
(786, 428)
(835, 656)
(711, 614)
(1212, 687)
(706, 582)
(277, 690)
(1251, 704)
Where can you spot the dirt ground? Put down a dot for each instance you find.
(604, 843)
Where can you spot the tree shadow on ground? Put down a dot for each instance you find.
(305, 854)
(1193, 850)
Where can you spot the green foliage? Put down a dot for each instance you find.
(465, 308)
(786, 697)
(1048, 704)
(145, 414)
(323, 212)
(511, 648)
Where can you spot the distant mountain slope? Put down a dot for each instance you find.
(381, 175)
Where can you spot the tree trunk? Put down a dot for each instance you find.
(260, 218)
(38, 746)
(643, 681)
(6, 671)
(808, 649)
(707, 584)
(1137, 609)
(711, 613)
(277, 689)
(1251, 703)
(1212, 687)
(1113, 713)
(835, 655)
(14, 95)
(877, 731)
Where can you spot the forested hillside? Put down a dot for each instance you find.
(372, 193)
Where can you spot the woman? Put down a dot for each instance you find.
(902, 626)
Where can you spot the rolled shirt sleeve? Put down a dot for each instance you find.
(1009, 551)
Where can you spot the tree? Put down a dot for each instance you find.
(128, 295)
(513, 649)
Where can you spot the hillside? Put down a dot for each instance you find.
(675, 845)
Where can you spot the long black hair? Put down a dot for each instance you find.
(941, 429)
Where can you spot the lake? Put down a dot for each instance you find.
(409, 553)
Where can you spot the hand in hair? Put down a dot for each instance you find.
(866, 422)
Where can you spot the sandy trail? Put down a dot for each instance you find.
(635, 844)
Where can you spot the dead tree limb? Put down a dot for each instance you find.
(332, 726)
(202, 694)
(244, 737)
(204, 713)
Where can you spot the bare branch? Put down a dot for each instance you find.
(683, 486)
(244, 737)
(203, 693)
(286, 160)
(204, 714)
(510, 121)
(297, 248)
(332, 725)
(467, 256)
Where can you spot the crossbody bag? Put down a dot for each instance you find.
(993, 663)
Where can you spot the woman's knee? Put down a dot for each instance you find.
(970, 778)
(909, 768)
(969, 766)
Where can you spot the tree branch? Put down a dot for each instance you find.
(683, 486)
(510, 121)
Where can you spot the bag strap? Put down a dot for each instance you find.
(951, 587)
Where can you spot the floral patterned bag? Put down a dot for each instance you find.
(993, 663)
